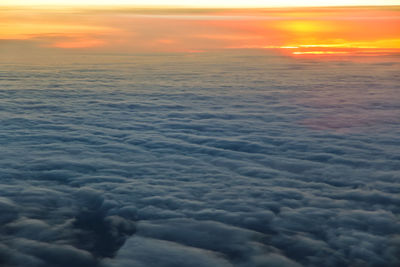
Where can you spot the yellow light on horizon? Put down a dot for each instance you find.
(319, 53)
(304, 26)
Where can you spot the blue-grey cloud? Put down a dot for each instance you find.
(236, 159)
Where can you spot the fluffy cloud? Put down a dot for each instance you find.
(177, 161)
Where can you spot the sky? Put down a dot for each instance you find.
(205, 3)
(296, 30)
(327, 31)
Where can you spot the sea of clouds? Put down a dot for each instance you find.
(239, 159)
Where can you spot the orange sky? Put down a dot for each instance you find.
(295, 32)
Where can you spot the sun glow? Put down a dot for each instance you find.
(301, 26)
(319, 53)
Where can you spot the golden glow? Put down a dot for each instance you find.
(319, 53)
(27, 31)
(293, 32)
(301, 26)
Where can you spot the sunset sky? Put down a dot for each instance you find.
(299, 31)
(110, 27)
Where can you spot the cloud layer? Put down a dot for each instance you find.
(203, 160)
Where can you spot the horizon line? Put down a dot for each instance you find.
(118, 6)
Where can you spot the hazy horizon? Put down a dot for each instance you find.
(204, 3)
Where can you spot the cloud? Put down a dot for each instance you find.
(140, 251)
(202, 160)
